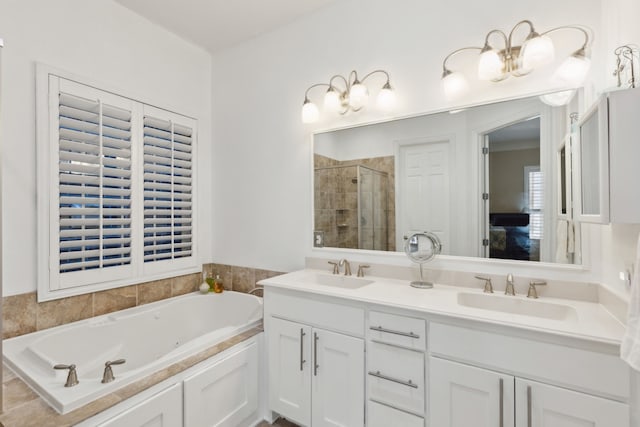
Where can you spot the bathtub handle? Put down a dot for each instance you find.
(108, 376)
(302, 334)
(72, 377)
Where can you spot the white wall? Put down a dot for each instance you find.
(262, 152)
(105, 42)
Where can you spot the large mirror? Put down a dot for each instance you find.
(490, 181)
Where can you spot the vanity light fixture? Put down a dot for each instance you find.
(496, 64)
(350, 93)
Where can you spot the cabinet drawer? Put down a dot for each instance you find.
(397, 330)
(385, 416)
(395, 376)
(584, 370)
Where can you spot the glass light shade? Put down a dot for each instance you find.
(332, 101)
(537, 51)
(310, 112)
(573, 70)
(358, 96)
(490, 65)
(454, 84)
(558, 99)
(386, 100)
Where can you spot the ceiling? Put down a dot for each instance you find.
(523, 131)
(218, 24)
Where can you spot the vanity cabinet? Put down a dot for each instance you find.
(607, 156)
(463, 395)
(316, 375)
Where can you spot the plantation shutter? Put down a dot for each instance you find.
(94, 185)
(168, 187)
(536, 201)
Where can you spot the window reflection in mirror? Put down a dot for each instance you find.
(376, 184)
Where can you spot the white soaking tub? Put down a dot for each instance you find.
(149, 337)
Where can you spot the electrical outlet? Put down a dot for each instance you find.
(318, 239)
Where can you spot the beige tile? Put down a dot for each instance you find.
(7, 374)
(225, 274)
(266, 274)
(15, 393)
(65, 310)
(185, 284)
(154, 291)
(244, 279)
(18, 314)
(114, 299)
(35, 413)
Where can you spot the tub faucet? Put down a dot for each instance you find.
(509, 290)
(107, 377)
(347, 266)
(256, 289)
(72, 378)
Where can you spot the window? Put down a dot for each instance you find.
(115, 190)
(534, 187)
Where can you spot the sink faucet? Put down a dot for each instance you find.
(509, 290)
(336, 270)
(533, 292)
(347, 266)
(488, 288)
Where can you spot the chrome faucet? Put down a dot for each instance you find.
(72, 377)
(107, 377)
(347, 266)
(488, 287)
(533, 292)
(509, 290)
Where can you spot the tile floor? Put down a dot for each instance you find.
(280, 422)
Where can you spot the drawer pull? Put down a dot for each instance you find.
(391, 331)
(529, 424)
(377, 374)
(501, 402)
(302, 334)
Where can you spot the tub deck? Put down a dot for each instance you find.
(23, 407)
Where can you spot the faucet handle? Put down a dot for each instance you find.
(72, 377)
(335, 267)
(361, 268)
(488, 287)
(107, 377)
(533, 292)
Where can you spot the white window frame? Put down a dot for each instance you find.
(51, 285)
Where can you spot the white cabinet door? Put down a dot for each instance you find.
(338, 380)
(541, 405)
(290, 370)
(162, 410)
(464, 396)
(225, 394)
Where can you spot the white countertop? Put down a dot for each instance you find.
(592, 321)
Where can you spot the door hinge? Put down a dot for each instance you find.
(485, 196)
(485, 150)
(485, 242)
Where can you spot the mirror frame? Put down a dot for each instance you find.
(446, 262)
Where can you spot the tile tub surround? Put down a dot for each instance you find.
(22, 314)
(23, 408)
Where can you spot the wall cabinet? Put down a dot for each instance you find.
(463, 395)
(606, 154)
(316, 377)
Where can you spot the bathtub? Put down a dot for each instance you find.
(149, 337)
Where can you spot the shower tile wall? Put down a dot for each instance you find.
(336, 203)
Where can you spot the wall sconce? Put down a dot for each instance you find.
(519, 60)
(625, 57)
(352, 97)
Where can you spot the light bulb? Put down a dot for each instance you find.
(332, 101)
(537, 51)
(558, 99)
(386, 99)
(574, 69)
(310, 112)
(454, 84)
(358, 96)
(490, 65)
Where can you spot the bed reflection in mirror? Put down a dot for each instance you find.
(488, 181)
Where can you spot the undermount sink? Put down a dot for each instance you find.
(339, 281)
(517, 305)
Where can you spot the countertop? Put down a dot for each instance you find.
(592, 322)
